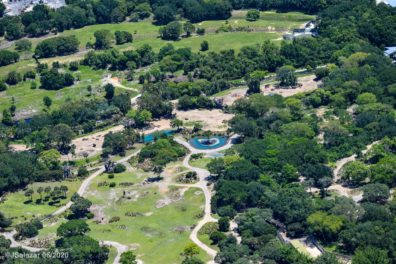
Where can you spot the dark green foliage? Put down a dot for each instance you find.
(82, 171)
(28, 229)
(110, 90)
(164, 15)
(3, 86)
(13, 78)
(23, 45)
(123, 37)
(58, 46)
(55, 80)
(171, 31)
(80, 207)
(162, 152)
(217, 236)
(201, 31)
(253, 15)
(128, 257)
(73, 66)
(2, 9)
(8, 57)
(189, 102)
(4, 221)
(73, 227)
(118, 142)
(204, 46)
(376, 193)
(83, 248)
(286, 76)
(224, 224)
(119, 168)
(103, 39)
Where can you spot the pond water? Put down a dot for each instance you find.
(208, 143)
(150, 137)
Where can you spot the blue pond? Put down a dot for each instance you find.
(150, 137)
(213, 143)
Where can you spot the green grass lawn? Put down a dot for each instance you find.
(200, 163)
(204, 236)
(153, 231)
(112, 255)
(31, 100)
(144, 32)
(15, 207)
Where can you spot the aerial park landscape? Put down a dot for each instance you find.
(198, 131)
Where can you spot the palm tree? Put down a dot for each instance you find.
(47, 190)
(29, 193)
(40, 191)
(158, 170)
(64, 189)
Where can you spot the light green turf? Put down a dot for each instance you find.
(32, 100)
(145, 30)
(112, 255)
(200, 163)
(14, 205)
(154, 233)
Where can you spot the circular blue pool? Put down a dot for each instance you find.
(208, 143)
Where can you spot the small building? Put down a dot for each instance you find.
(390, 52)
(307, 31)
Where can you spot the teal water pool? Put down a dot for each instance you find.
(208, 143)
(152, 136)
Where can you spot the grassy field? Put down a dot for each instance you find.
(15, 207)
(146, 32)
(204, 234)
(200, 163)
(112, 255)
(159, 233)
(31, 100)
(269, 27)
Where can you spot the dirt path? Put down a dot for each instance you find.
(85, 184)
(91, 144)
(355, 194)
(202, 184)
(120, 249)
(233, 229)
(115, 81)
(340, 163)
(81, 191)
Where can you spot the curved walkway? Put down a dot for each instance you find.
(339, 188)
(81, 191)
(202, 184)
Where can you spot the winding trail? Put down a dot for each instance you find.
(81, 191)
(202, 184)
(338, 187)
(203, 174)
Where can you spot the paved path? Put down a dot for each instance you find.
(85, 184)
(202, 184)
(356, 195)
(120, 249)
(81, 191)
(233, 229)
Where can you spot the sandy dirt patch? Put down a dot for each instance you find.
(91, 144)
(308, 84)
(115, 81)
(19, 147)
(214, 120)
(158, 125)
(99, 215)
(234, 95)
